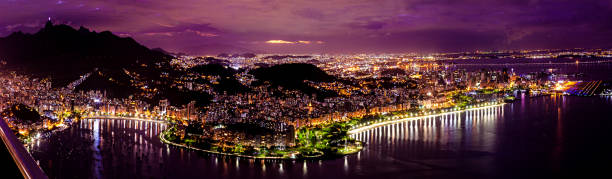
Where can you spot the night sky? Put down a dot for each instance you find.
(328, 26)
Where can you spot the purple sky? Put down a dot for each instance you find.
(329, 26)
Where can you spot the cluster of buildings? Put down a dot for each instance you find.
(367, 84)
(54, 102)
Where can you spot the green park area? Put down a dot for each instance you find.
(320, 141)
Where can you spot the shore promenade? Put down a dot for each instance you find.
(361, 128)
(120, 117)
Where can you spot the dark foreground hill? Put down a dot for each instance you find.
(22, 113)
(293, 76)
(64, 53)
(115, 83)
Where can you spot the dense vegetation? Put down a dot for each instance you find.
(293, 76)
(24, 114)
(115, 83)
(330, 139)
(226, 82)
(178, 97)
(461, 100)
(324, 140)
(193, 130)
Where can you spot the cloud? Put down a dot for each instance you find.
(345, 25)
(13, 26)
(201, 30)
(310, 13)
(292, 42)
(369, 25)
(169, 34)
(202, 34)
(279, 42)
(194, 28)
(124, 35)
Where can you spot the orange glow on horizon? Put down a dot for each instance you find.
(279, 42)
(293, 42)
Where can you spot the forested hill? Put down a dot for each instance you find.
(64, 53)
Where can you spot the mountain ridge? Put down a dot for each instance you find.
(63, 53)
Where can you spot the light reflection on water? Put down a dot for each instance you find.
(435, 129)
(122, 148)
(467, 144)
(97, 156)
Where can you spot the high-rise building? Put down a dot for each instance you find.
(163, 105)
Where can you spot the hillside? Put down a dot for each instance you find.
(64, 53)
(22, 113)
(292, 76)
(115, 84)
(227, 82)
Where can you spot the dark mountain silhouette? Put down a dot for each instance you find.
(178, 97)
(292, 73)
(64, 53)
(115, 83)
(292, 76)
(313, 61)
(158, 49)
(226, 83)
(23, 113)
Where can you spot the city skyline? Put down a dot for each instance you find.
(268, 89)
(209, 28)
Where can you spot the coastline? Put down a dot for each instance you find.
(382, 123)
(350, 132)
(164, 140)
(128, 118)
(293, 155)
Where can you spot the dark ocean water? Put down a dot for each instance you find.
(543, 136)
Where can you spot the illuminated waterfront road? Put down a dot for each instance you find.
(441, 116)
(437, 128)
(539, 137)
